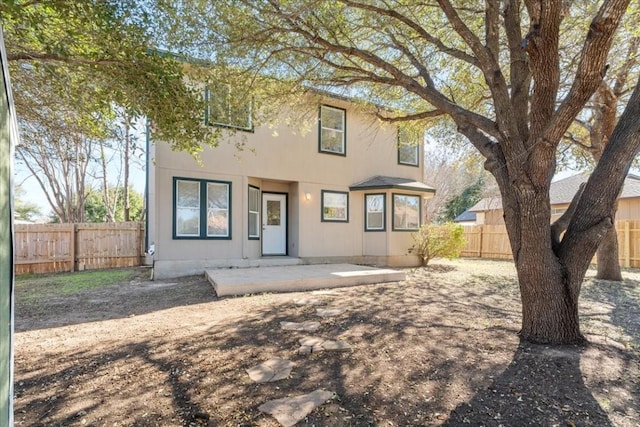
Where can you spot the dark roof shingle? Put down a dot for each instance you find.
(562, 192)
(386, 182)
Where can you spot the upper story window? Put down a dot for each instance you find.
(408, 147)
(333, 130)
(228, 107)
(201, 209)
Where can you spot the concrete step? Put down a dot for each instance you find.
(297, 278)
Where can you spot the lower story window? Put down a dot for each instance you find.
(374, 214)
(406, 212)
(202, 209)
(335, 206)
(254, 213)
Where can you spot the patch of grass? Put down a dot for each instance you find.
(32, 287)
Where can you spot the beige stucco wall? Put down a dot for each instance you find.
(285, 159)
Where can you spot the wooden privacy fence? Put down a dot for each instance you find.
(52, 248)
(491, 241)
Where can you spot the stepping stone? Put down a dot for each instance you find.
(335, 346)
(315, 345)
(272, 370)
(308, 326)
(328, 312)
(311, 341)
(309, 301)
(290, 410)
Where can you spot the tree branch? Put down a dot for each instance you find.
(409, 117)
(542, 46)
(505, 119)
(396, 77)
(492, 28)
(488, 148)
(586, 231)
(422, 70)
(456, 53)
(590, 68)
(622, 74)
(561, 224)
(519, 68)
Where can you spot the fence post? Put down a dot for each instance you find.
(140, 240)
(74, 233)
(481, 238)
(627, 244)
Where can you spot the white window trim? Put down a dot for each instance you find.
(254, 212)
(346, 206)
(218, 210)
(343, 131)
(393, 219)
(212, 122)
(191, 208)
(203, 209)
(404, 144)
(382, 211)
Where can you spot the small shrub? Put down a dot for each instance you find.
(438, 241)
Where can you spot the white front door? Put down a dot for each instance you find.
(274, 224)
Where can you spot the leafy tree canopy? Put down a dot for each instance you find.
(96, 211)
(77, 59)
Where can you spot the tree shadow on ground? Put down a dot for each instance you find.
(542, 386)
(422, 354)
(624, 299)
(612, 312)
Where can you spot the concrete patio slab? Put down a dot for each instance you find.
(297, 278)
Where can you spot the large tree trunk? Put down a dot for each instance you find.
(549, 295)
(549, 309)
(608, 260)
(604, 121)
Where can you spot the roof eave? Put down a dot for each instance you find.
(392, 187)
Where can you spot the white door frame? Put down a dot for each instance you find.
(281, 232)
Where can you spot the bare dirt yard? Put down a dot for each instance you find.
(440, 348)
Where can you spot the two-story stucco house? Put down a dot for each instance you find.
(348, 190)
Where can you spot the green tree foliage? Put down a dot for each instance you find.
(438, 241)
(463, 201)
(95, 209)
(76, 60)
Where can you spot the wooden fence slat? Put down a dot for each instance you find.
(50, 248)
(492, 241)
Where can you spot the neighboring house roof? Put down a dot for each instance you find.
(465, 216)
(562, 192)
(387, 182)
